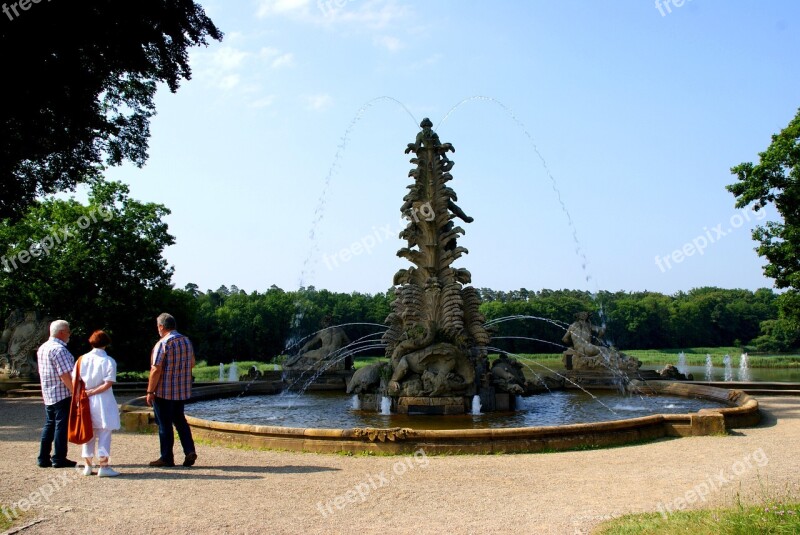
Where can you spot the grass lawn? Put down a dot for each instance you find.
(5, 522)
(694, 357)
(205, 373)
(771, 517)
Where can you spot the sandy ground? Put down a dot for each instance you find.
(245, 491)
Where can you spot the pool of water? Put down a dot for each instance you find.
(334, 410)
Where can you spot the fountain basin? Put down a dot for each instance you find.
(740, 410)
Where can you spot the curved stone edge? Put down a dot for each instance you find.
(742, 411)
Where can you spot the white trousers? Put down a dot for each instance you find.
(102, 439)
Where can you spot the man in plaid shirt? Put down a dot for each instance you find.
(55, 372)
(169, 387)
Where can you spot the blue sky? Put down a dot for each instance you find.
(638, 117)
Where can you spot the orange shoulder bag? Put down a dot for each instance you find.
(79, 429)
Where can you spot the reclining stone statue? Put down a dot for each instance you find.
(585, 355)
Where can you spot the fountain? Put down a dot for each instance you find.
(386, 406)
(726, 360)
(683, 368)
(744, 368)
(437, 343)
(221, 372)
(233, 372)
(476, 405)
(709, 368)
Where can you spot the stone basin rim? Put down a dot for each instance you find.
(741, 411)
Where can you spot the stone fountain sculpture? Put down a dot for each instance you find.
(594, 363)
(22, 335)
(507, 375)
(318, 353)
(317, 364)
(436, 333)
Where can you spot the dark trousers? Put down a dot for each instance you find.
(55, 430)
(169, 412)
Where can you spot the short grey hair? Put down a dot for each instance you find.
(58, 326)
(167, 321)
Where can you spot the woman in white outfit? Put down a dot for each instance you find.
(99, 373)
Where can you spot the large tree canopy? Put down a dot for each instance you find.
(99, 266)
(78, 85)
(776, 179)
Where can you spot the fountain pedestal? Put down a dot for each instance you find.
(596, 379)
(432, 406)
(488, 400)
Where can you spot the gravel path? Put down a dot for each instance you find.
(245, 491)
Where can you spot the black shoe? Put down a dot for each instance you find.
(46, 464)
(66, 463)
(190, 459)
(161, 463)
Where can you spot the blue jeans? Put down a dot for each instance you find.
(169, 412)
(55, 430)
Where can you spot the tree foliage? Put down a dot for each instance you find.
(261, 326)
(632, 320)
(99, 266)
(776, 180)
(79, 83)
(228, 325)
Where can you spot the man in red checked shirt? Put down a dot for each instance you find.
(169, 387)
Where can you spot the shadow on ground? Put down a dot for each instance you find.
(139, 471)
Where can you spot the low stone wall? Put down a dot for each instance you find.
(742, 411)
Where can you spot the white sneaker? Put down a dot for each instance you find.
(107, 471)
(87, 470)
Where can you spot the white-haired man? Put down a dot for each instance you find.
(55, 372)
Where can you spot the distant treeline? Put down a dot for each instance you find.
(229, 323)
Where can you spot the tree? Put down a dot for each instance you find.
(80, 78)
(99, 266)
(776, 180)
(782, 334)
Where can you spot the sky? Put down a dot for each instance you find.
(594, 140)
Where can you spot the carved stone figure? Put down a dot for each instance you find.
(671, 373)
(441, 367)
(23, 333)
(584, 355)
(507, 375)
(320, 349)
(436, 333)
(253, 374)
(365, 379)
